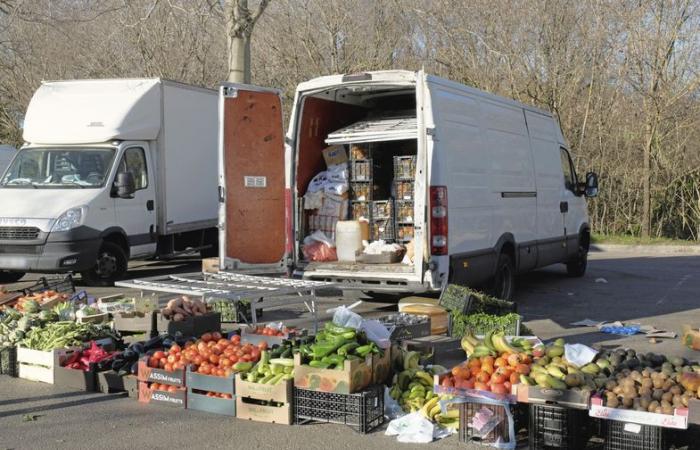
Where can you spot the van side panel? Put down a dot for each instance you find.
(458, 162)
(550, 182)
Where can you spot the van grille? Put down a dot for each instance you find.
(19, 233)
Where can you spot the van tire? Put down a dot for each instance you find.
(10, 277)
(577, 267)
(111, 265)
(504, 278)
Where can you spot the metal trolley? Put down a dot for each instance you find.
(262, 291)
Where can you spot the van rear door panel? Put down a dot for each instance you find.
(252, 177)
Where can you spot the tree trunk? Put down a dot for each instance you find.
(239, 59)
(646, 182)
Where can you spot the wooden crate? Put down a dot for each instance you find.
(36, 365)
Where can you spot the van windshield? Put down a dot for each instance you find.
(65, 168)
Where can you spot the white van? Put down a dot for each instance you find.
(111, 170)
(7, 152)
(494, 191)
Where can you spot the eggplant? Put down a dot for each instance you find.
(138, 348)
(135, 368)
(117, 363)
(152, 343)
(130, 355)
(167, 343)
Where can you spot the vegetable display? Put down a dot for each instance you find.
(127, 361)
(34, 302)
(335, 344)
(65, 334)
(14, 325)
(271, 371)
(84, 359)
(178, 309)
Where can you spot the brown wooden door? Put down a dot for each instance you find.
(253, 170)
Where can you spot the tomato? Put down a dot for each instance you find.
(217, 350)
(172, 388)
(162, 362)
(225, 362)
(216, 335)
(228, 396)
(255, 354)
(153, 361)
(228, 352)
(223, 343)
(175, 348)
(172, 359)
(248, 347)
(228, 372)
(240, 353)
(236, 339)
(214, 359)
(178, 366)
(204, 370)
(168, 367)
(198, 360)
(234, 359)
(205, 353)
(262, 345)
(245, 358)
(159, 354)
(206, 337)
(201, 346)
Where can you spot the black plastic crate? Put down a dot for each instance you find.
(631, 436)
(64, 285)
(362, 411)
(8, 362)
(500, 433)
(556, 427)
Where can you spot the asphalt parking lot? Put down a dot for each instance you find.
(643, 286)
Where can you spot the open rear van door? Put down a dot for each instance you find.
(420, 236)
(251, 178)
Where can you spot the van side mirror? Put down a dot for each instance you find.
(591, 189)
(125, 185)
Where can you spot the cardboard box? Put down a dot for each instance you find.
(247, 335)
(335, 155)
(148, 395)
(210, 265)
(381, 367)
(249, 398)
(251, 410)
(197, 387)
(678, 420)
(539, 395)
(75, 379)
(109, 382)
(135, 322)
(153, 375)
(356, 374)
(191, 326)
(36, 365)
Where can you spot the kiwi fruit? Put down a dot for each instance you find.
(653, 405)
(657, 394)
(675, 390)
(627, 401)
(645, 401)
(667, 410)
(610, 385)
(613, 402)
(666, 397)
(657, 383)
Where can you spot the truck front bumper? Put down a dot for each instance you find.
(53, 256)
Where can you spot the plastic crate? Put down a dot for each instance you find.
(64, 285)
(557, 427)
(404, 233)
(360, 209)
(404, 212)
(361, 191)
(362, 411)
(361, 170)
(382, 229)
(382, 209)
(632, 436)
(8, 362)
(404, 167)
(499, 434)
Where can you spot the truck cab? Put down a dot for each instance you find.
(89, 189)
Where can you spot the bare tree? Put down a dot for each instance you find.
(240, 21)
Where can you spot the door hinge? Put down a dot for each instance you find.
(430, 131)
(222, 194)
(230, 92)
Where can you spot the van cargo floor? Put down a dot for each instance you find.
(338, 266)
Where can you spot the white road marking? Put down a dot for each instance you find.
(674, 288)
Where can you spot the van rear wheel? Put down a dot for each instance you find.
(504, 279)
(577, 267)
(111, 265)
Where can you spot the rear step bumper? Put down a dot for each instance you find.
(365, 282)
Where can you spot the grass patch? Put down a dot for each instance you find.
(624, 239)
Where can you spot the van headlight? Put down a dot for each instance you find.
(70, 219)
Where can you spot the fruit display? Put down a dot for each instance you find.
(34, 302)
(180, 308)
(270, 330)
(65, 334)
(495, 343)
(172, 388)
(335, 344)
(271, 371)
(212, 355)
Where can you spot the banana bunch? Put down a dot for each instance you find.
(493, 344)
(433, 412)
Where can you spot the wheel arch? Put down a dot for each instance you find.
(116, 235)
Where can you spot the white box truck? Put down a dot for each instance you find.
(111, 170)
(493, 191)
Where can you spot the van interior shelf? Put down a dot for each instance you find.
(378, 130)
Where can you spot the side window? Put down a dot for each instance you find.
(134, 161)
(568, 169)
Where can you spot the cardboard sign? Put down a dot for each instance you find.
(335, 155)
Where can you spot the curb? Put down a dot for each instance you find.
(659, 249)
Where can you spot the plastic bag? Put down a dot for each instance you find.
(416, 429)
(345, 317)
(392, 409)
(318, 251)
(579, 354)
(319, 236)
(377, 333)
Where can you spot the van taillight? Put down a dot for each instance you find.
(438, 220)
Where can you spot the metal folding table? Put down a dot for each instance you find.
(261, 291)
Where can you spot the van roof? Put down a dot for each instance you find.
(408, 78)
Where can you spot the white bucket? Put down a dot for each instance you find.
(348, 239)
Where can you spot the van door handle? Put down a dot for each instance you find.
(150, 205)
(564, 207)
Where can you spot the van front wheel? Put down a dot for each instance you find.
(577, 267)
(110, 266)
(504, 279)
